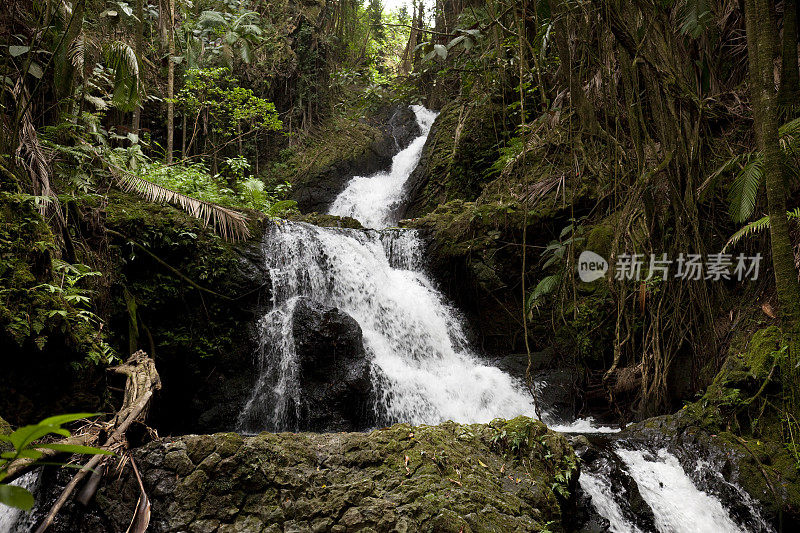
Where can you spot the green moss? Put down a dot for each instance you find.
(461, 148)
(601, 236)
(327, 221)
(341, 138)
(427, 478)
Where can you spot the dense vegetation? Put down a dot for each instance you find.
(141, 142)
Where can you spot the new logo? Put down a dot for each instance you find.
(591, 266)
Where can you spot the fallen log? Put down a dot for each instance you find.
(142, 381)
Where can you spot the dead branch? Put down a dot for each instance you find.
(143, 380)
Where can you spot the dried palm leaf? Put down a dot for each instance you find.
(34, 158)
(229, 224)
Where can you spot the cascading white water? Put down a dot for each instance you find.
(11, 518)
(422, 368)
(674, 500)
(373, 200)
(604, 500)
(678, 506)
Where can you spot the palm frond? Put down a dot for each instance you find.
(757, 227)
(34, 158)
(744, 189)
(229, 224)
(128, 89)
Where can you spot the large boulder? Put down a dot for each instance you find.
(504, 476)
(334, 370)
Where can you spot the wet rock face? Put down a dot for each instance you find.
(334, 370)
(396, 129)
(403, 127)
(436, 478)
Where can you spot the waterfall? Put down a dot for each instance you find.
(422, 367)
(373, 200)
(669, 500)
(13, 519)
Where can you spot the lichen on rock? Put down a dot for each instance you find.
(505, 476)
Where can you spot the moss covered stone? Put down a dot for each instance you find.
(741, 426)
(202, 337)
(505, 476)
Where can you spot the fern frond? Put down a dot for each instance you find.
(738, 161)
(694, 17)
(546, 286)
(751, 228)
(744, 189)
(756, 227)
(211, 19)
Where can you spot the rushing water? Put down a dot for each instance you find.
(669, 500)
(14, 520)
(373, 200)
(422, 367)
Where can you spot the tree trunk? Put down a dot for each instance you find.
(64, 71)
(760, 20)
(790, 75)
(171, 83)
(137, 113)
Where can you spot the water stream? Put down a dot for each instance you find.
(422, 365)
(424, 371)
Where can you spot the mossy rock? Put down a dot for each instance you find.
(462, 145)
(739, 426)
(505, 476)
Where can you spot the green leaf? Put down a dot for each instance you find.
(16, 51)
(64, 419)
(35, 70)
(744, 189)
(211, 19)
(22, 454)
(441, 50)
(14, 496)
(74, 448)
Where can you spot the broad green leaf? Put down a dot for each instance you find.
(441, 50)
(14, 496)
(74, 448)
(63, 419)
(18, 50)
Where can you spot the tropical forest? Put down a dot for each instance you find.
(399, 266)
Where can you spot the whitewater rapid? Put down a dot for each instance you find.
(421, 365)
